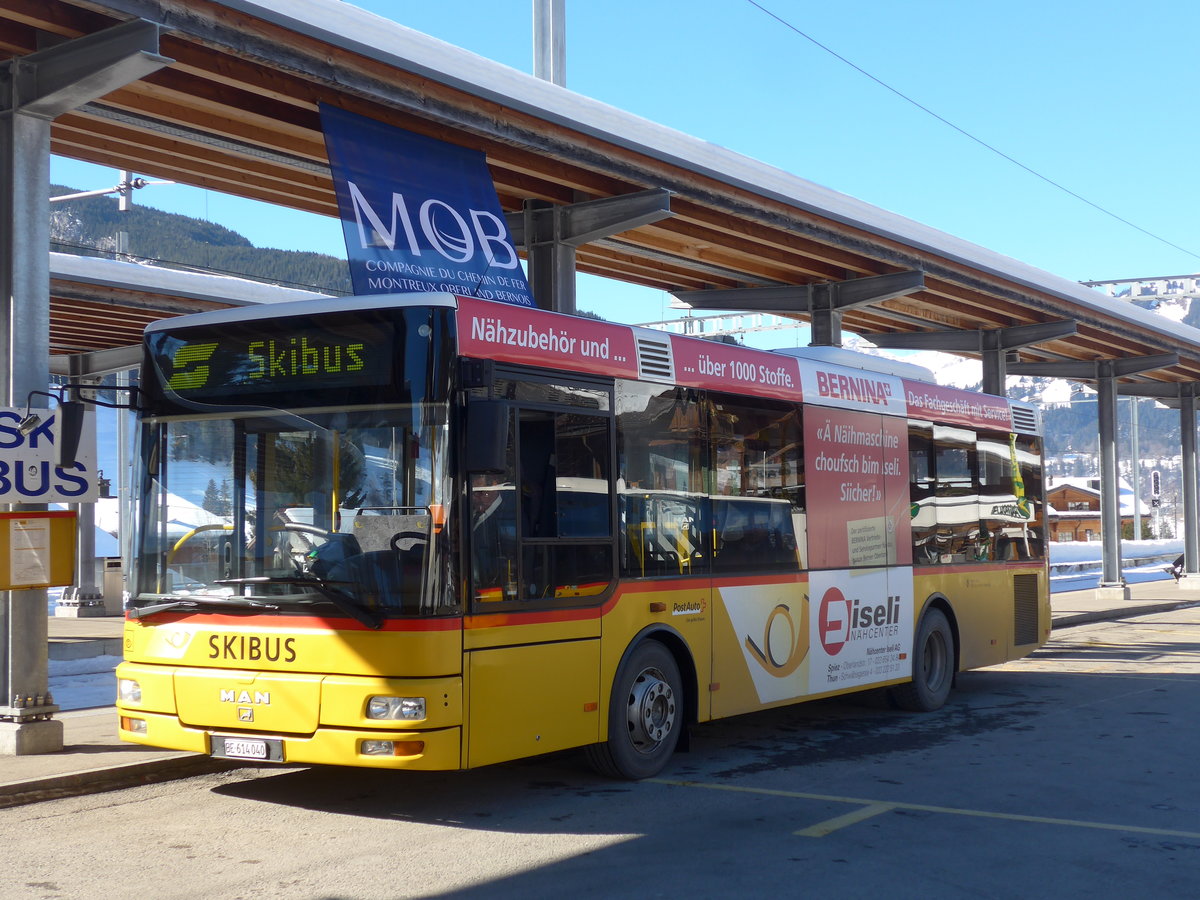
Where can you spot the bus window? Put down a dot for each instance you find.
(541, 528)
(493, 527)
(564, 495)
(661, 446)
(758, 498)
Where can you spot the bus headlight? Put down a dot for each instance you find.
(392, 748)
(129, 690)
(410, 708)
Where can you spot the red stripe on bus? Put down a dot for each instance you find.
(283, 623)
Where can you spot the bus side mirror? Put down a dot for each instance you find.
(487, 436)
(66, 431)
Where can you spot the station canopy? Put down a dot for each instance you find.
(237, 112)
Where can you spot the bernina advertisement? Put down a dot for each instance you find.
(857, 475)
(419, 214)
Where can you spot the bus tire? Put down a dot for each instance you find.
(932, 663)
(645, 715)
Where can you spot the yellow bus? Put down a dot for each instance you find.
(432, 532)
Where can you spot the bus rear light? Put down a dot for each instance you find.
(129, 691)
(136, 726)
(392, 748)
(409, 708)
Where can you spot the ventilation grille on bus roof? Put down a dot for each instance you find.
(655, 360)
(1026, 419)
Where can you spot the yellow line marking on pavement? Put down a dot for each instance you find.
(831, 825)
(875, 807)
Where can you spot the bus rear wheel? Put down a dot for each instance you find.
(933, 666)
(645, 715)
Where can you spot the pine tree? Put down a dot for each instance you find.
(212, 498)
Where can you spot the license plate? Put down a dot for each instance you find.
(247, 748)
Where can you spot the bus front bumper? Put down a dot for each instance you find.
(433, 750)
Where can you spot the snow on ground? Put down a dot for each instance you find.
(1076, 565)
(84, 683)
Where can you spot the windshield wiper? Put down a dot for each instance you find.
(340, 599)
(198, 601)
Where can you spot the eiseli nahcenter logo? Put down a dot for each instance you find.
(419, 214)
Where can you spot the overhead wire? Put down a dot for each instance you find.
(925, 109)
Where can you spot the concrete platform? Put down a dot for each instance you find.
(79, 638)
(1099, 605)
(94, 759)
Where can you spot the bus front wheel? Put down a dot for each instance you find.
(645, 715)
(933, 666)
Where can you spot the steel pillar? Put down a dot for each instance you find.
(1104, 372)
(34, 89)
(1181, 395)
(551, 234)
(1110, 498)
(26, 711)
(84, 598)
(992, 344)
(1191, 525)
(823, 303)
(550, 41)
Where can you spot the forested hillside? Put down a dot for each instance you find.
(90, 226)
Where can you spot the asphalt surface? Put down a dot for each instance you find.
(94, 759)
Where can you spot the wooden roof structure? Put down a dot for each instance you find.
(237, 112)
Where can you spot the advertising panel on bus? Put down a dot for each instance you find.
(956, 407)
(858, 476)
(727, 367)
(862, 625)
(533, 337)
(852, 388)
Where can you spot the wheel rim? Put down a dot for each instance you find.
(650, 713)
(935, 660)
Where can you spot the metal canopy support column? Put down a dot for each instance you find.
(993, 344)
(550, 41)
(84, 598)
(1183, 396)
(1191, 531)
(1105, 373)
(34, 89)
(551, 234)
(1110, 497)
(824, 303)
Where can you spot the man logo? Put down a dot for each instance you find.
(245, 714)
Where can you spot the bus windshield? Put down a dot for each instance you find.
(340, 513)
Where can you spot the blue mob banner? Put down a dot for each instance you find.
(419, 214)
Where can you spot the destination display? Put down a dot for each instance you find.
(232, 360)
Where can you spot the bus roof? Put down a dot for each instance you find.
(522, 336)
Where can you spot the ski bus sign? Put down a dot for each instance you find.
(28, 471)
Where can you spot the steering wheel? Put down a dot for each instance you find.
(298, 556)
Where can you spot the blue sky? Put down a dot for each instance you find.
(1092, 95)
